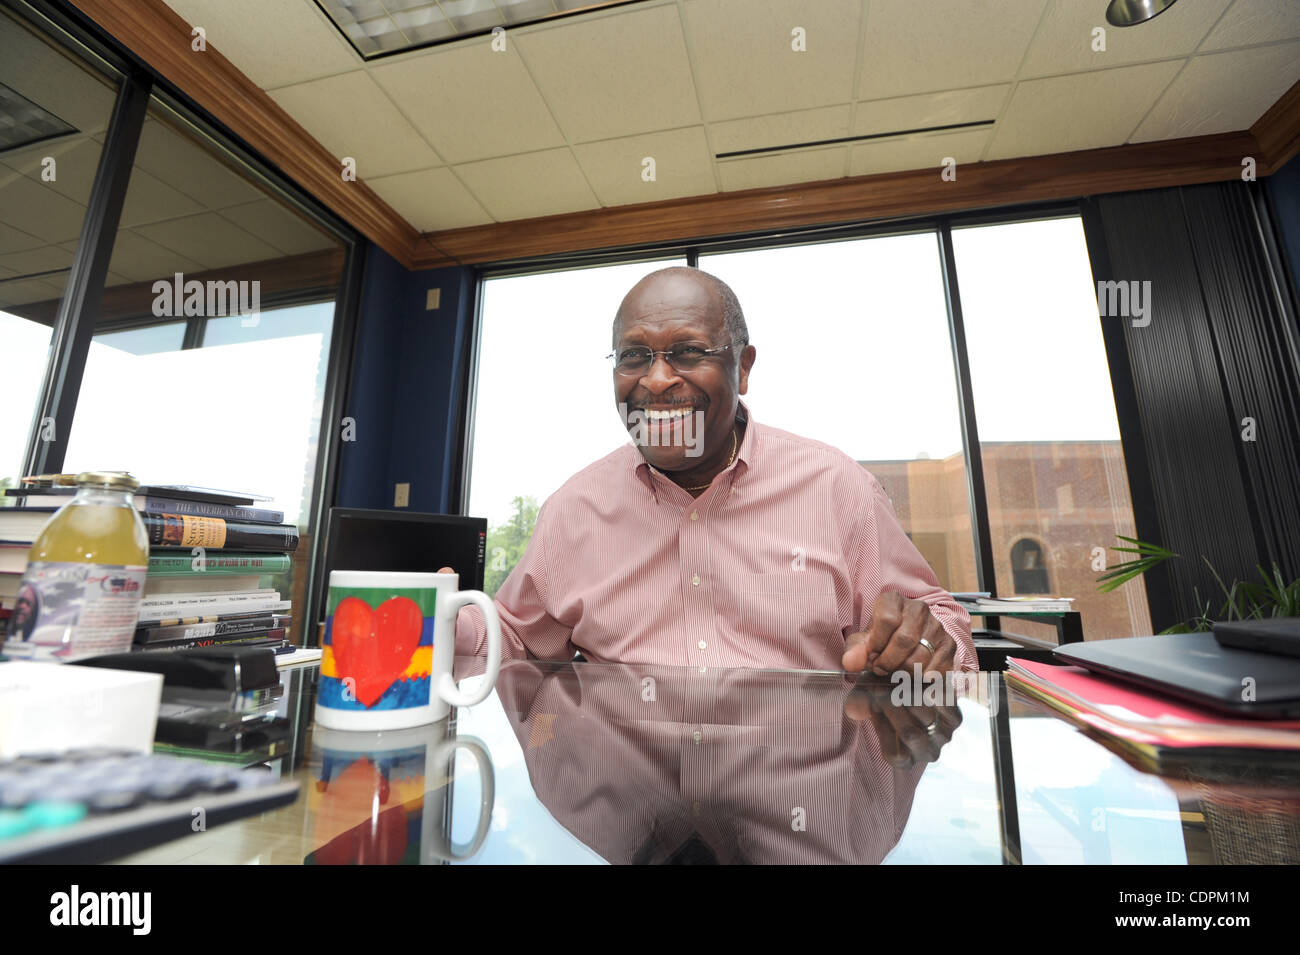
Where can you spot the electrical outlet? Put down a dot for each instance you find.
(402, 495)
(432, 299)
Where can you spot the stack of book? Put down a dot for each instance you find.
(212, 558)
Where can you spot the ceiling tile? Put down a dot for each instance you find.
(745, 63)
(274, 42)
(278, 226)
(15, 240)
(38, 209)
(137, 259)
(1207, 97)
(919, 152)
(1248, 22)
(210, 240)
(1080, 111)
(148, 200)
(174, 159)
(682, 167)
(470, 102)
(431, 200)
(45, 258)
(645, 76)
(351, 116)
(970, 43)
(1064, 40)
(522, 187)
(806, 165)
(929, 109)
(24, 293)
(76, 159)
(781, 129)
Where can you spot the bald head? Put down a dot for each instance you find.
(690, 290)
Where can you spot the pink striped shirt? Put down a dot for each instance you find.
(773, 566)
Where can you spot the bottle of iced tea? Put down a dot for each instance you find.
(80, 594)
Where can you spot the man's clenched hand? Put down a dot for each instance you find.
(902, 633)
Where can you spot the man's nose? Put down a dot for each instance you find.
(660, 376)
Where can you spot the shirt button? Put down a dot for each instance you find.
(695, 581)
(695, 515)
(697, 736)
(703, 670)
(701, 644)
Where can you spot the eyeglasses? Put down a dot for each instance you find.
(684, 356)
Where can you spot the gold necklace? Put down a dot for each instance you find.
(734, 446)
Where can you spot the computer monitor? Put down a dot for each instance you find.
(360, 539)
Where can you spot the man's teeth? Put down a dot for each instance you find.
(656, 415)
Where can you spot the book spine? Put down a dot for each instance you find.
(195, 617)
(180, 530)
(230, 512)
(272, 635)
(225, 603)
(181, 565)
(149, 635)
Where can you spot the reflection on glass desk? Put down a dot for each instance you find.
(594, 763)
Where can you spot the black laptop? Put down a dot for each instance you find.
(1194, 667)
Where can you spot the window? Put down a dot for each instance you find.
(1053, 464)
(1028, 569)
(53, 114)
(543, 342)
(209, 345)
(209, 359)
(853, 349)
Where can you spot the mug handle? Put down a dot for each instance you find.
(447, 688)
(487, 797)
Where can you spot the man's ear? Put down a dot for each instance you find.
(746, 362)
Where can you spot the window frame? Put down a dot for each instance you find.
(1141, 492)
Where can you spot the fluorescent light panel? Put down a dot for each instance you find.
(22, 122)
(378, 28)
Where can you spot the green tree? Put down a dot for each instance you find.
(507, 542)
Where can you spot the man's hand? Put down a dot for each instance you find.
(902, 633)
(909, 735)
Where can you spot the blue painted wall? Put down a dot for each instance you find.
(405, 394)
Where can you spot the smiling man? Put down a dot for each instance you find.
(712, 539)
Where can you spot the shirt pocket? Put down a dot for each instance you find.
(794, 614)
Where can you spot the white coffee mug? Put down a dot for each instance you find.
(390, 639)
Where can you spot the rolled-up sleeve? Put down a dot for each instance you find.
(886, 559)
(527, 627)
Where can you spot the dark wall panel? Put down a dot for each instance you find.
(1190, 439)
(1220, 347)
(406, 389)
(1258, 358)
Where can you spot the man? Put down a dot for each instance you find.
(715, 540)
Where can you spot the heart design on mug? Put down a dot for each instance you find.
(374, 647)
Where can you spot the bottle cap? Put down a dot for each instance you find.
(117, 480)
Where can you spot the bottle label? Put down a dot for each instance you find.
(66, 610)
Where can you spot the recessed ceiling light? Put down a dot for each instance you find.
(1127, 13)
(22, 122)
(378, 28)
